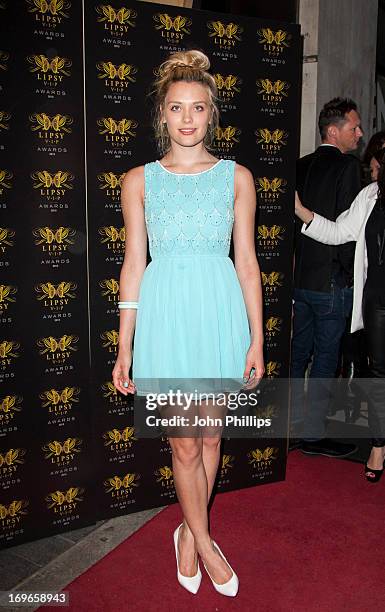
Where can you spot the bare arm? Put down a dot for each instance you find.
(246, 265)
(134, 265)
(301, 211)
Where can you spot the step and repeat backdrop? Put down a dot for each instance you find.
(75, 114)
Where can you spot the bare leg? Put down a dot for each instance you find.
(191, 487)
(211, 452)
(211, 436)
(195, 465)
(192, 490)
(210, 457)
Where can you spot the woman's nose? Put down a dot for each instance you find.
(187, 117)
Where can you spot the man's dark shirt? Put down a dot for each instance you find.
(327, 183)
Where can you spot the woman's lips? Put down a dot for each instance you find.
(187, 131)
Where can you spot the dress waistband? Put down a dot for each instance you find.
(190, 256)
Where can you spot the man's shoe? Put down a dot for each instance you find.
(328, 448)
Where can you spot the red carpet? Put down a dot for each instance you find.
(313, 543)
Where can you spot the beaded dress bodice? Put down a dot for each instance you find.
(189, 214)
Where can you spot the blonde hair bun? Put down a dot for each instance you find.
(182, 60)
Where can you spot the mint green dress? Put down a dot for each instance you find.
(191, 323)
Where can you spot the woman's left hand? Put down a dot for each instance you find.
(297, 204)
(254, 361)
(301, 211)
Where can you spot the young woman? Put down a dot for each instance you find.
(364, 223)
(197, 318)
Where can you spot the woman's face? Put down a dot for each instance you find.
(374, 167)
(187, 112)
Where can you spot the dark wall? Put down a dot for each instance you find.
(282, 10)
(381, 39)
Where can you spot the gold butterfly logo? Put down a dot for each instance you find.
(12, 457)
(114, 436)
(265, 86)
(228, 134)
(52, 7)
(112, 234)
(50, 291)
(57, 65)
(10, 404)
(274, 232)
(58, 498)
(4, 118)
(178, 24)
(53, 397)
(274, 279)
(62, 235)
(14, 509)
(272, 368)
(256, 456)
(280, 38)
(227, 461)
(5, 236)
(163, 473)
(273, 324)
(59, 179)
(266, 136)
(50, 344)
(228, 83)
(110, 286)
(56, 448)
(56, 123)
(5, 178)
(229, 31)
(110, 339)
(128, 482)
(8, 349)
(110, 15)
(110, 180)
(109, 390)
(122, 72)
(274, 185)
(122, 126)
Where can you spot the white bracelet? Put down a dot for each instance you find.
(126, 305)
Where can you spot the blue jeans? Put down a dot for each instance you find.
(318, 325)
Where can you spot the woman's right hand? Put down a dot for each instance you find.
(120, 373)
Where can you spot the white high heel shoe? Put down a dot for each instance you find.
(229, 588)
(191, 583)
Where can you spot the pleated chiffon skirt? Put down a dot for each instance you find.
(192, 329)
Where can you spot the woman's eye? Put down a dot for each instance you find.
(199, 108)
(175, 107)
